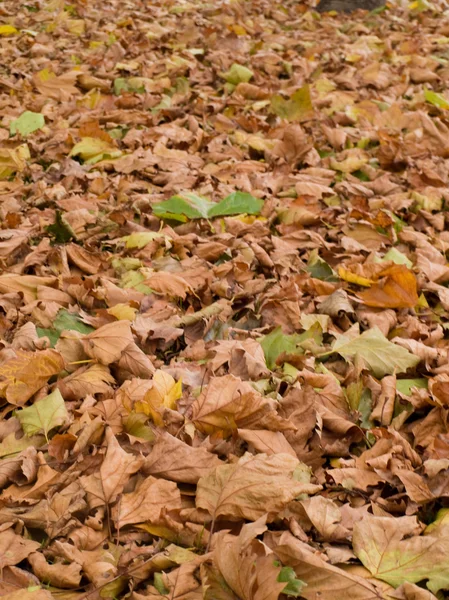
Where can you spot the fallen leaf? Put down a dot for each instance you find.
(44, 415)
(393, 552)
(380, 355)
(24, 375)
(107, 343)
(253, 486)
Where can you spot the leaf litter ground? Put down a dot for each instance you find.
(224, 303)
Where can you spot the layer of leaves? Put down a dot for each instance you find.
(224, 304)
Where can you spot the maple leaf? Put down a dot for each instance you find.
(44, 415)
(107, 343)
(24, 375)
(248, 568)
(146, 503)
(392, 551)
(253, 486)
(228, 403)
(164, 393)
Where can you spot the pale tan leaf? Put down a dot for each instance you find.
(146, 503)
(108, 343)
(251, 487)
(173, 459)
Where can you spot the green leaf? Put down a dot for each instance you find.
(159, 584)
(236, 203)
(140, 239)
(120, 85)
(61, 230)
(436, 99)
(398, 258)
(44, 415)
(135, 279)
(192, 206)
(296, 108)
(27, 123)
(276, 343)
(404, 386)
(136, 425)
(381, 356)
(294, 585)
(189, 204)
(65, 321)
(91, 150)
(237, 74)
(390, 549)
(319, 269)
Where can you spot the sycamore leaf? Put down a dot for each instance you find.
(13, 160)
(30, 593)
(296, 108)
(322, 579)
(277, 346)
(380, 355)
(8, 30)
(247, 567)
(236, 203)
(175, 460)
(15, 548)
(437, 100)
(189, 204)
(293, 585)
(393, 552)
(237, 74)
(123, 312)
(92, 149)
(397, 288)
(252, 487)
(164, 393)
(106, 344)
(139, 239)
(44, 415)
(61, 230)
(229, 403)
(192, 206)
(65, 321)
(27, 123)
(24, 375)
(146, 503)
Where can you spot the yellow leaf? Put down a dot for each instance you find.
(164, 394)
(13, 160)
(353, 278)
(8, 30)
(123, 312)
(25, 374)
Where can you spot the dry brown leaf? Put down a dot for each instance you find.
(248, 567)
(175, 460)
(14, 548)
(322, 579)
(229, 403)
(169, 284)
(253, 486)
(108, 343)
(147, 502)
